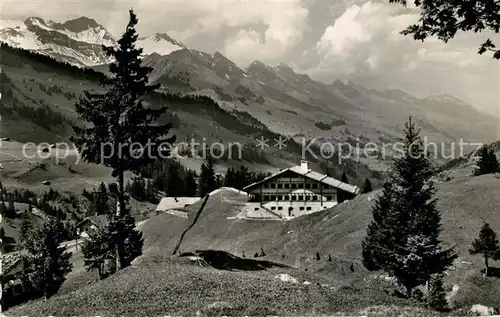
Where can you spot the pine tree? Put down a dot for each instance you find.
(436, 294)
(342, 195)
(120, 121)
(403, 238)
(487, 245)
(230, 179)
(367, 186)
(150, 192)
(47, 263)
(10, 212)
(101, 200)
(175, 186)
(3, 244)
(488, 162)
(190, 184)
(3, 209)
(26, 227)
(98, 250)
(207, 182)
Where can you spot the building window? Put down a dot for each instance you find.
(301, 208)
(266, 185)
(301, 198)
(273, 208)
(308, 208)
(280, 208)
(294, 198)
(300, 185)
(286, 185)
(315, 198)
(256, 208)
(266, 197)
(294, 186)
(279, 185)
(307, 197)
(287, 197)
(308, 185)
(272, 185)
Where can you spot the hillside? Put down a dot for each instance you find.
(296, 105)
(38, 95)
(334, 288)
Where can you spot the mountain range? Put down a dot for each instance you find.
(77, 41)
(287, 103)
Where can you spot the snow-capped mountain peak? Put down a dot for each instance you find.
(81, 24)
(76, 41)
(159, 43)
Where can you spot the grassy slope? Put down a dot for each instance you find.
(158, 283)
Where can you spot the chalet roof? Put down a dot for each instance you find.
(98, 221)
(325, 179)
(11, 263)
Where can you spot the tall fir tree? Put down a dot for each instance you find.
(3, 244)
(27, 225)
(10, 212)
(487, 245)
(46, 261)
(101, 200)
(98, 250)
(230, 179)
(175, 186)
(123, 133)
(403, 238)
(3, 209)
(343, 195)
(488, 161)
(207, 182)
(436, 294)
(190, 184)
(367, 186)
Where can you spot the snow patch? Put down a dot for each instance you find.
(482, 310)
(162, 47)
(286, 278)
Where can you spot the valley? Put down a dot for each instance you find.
(207, 258)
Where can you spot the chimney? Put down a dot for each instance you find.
(303, 165)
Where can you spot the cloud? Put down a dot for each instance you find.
(364, 44)
(243, 30)
(284, 24)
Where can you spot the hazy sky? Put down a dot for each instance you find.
(344, 39)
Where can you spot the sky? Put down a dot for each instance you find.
(354, 40)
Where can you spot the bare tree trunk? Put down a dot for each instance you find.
(486, 264)
(120, 213)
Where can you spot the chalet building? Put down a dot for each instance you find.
(15, 289)
(298, 190)
(90, 223)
